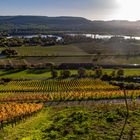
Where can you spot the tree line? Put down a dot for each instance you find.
(42, 41)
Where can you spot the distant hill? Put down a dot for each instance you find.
(43, 24)
(42, 20)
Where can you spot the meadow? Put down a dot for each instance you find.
(48, 50)
(45, 74)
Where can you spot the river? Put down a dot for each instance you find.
(97, 36)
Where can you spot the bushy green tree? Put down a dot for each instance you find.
(65, 73)
(54, 74)
(98, 72)
(82, 72)
(113, 73)
(120, 72)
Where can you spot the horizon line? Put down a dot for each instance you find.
(70, 16)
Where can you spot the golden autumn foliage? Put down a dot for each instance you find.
(11, 111)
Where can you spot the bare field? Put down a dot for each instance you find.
(95, 59)
(92, 52)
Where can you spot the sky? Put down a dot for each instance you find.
(90, 9)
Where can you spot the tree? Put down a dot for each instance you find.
(54, 74)
(120, 72)
(98, 72)
(9, 52)
(81, 72)
(106, 77)
(113, 73)
(65, 73)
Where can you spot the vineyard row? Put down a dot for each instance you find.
(10, 113)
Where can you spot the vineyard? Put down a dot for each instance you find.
(62, 90)
(70, 78)
(95, 121)
(56, 86)
(13, 112)
(68, 96)
(21, 99)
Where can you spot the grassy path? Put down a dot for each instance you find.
(28, 129)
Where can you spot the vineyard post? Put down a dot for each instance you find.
(1, 125)
(126, 103)
(127, 115)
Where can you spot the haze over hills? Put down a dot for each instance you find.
(42, 24)
(42, 20)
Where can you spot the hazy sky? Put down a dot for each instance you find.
(91, 9)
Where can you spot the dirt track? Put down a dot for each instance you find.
(89, 102)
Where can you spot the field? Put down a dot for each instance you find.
(44, 74)
(95, 59)
(48, 51)
(84, 108)
(62, 90)
(95, 47)
(93, 52)
(46, 86)
(96, 121)
(35, 106)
